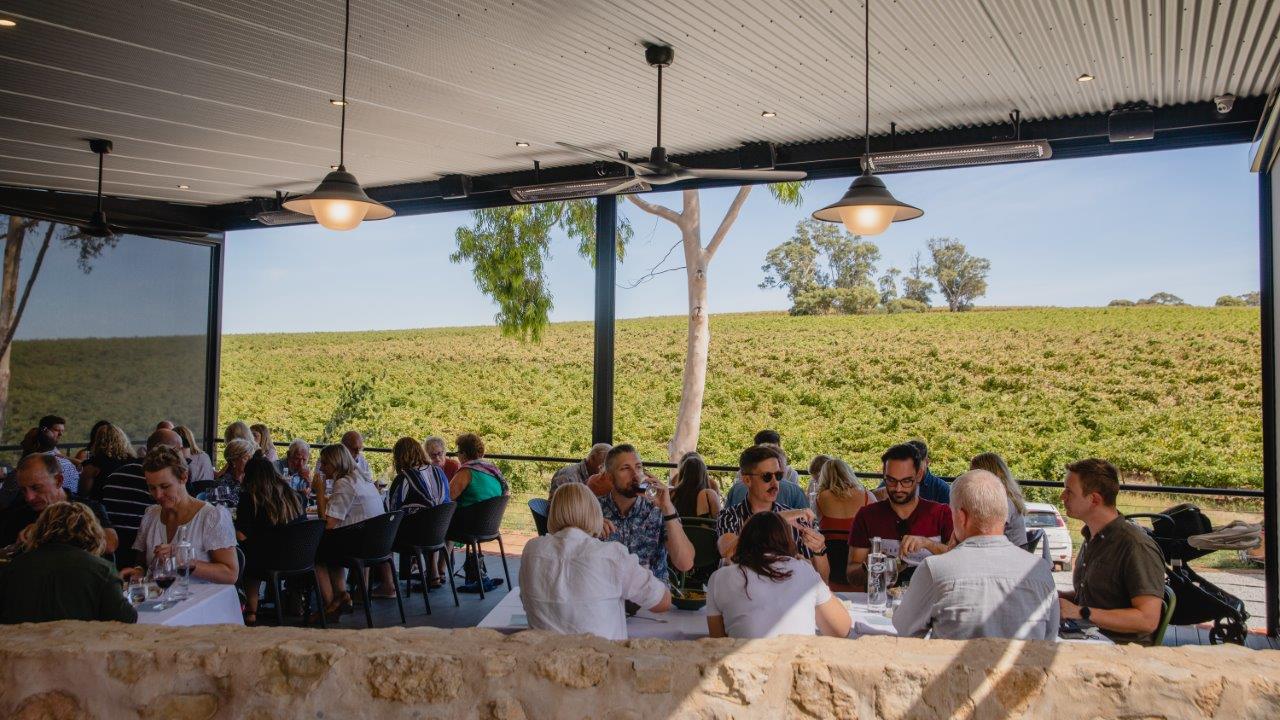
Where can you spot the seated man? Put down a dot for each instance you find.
(790, 493)
(762, 471)
(932, 487)
(986, 586)
(581, 472)
(295, 466)
(1119, 575)
(126, 497)
(40, 483)
(650, 529)
(354, 442)
(909, 526)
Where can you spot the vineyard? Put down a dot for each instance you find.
(1172, 395)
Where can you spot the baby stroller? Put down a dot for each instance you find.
(1184, 534)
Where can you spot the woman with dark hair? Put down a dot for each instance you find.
(694, 496)
(767, 591)
(476, 481)
(418, 483)
(86, 452)
(266, 501)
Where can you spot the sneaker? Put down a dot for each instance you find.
(474, 587)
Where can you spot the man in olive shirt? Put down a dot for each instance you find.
(1119, 575)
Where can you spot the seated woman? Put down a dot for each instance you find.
(197, 460)
(571, 582)
(61, 576)
(262, 438)
(840, 496)
(353, 500)
(109, 452)
(475, 482)
(418, 483)
(208, 527)
(266, 502)
(768, 591)
(694, 496)
(237, 453)
(1015, 525)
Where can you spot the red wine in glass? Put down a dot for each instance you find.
(164, 581)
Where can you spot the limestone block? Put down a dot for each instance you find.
(574, 667)
(409, 677)
(181, 707)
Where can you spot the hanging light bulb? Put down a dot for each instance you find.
(338, 202)
(867, 208)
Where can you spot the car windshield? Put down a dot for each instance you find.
(1041, 519)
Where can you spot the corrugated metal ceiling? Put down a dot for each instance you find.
(231, 97)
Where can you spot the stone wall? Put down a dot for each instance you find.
(98, 670)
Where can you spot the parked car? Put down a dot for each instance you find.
(1043, 516)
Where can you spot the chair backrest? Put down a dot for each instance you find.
(377, 535)
(426, 527)
(540, 507)
(286, 547)
(1170, 602)
(707, 522)
(837, 556)
(483, 519)
(705, 552)
(200, 486)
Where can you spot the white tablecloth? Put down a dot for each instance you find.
(675, 624)
(209, 604)
(866, 622)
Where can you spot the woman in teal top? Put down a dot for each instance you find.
(476, 481)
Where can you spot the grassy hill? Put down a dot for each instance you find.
(1172, 394)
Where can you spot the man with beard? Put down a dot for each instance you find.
(908, 526)
(763, 473)
(650, 529)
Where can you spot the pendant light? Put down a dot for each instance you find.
(868, 207)
(338, 202)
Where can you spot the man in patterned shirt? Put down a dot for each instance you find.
(762, 472)
(650, 529)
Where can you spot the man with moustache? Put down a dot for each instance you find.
(650, 529)
(763, 473)
(908, 526)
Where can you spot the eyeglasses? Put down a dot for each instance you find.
(899, 482)
(769, 476)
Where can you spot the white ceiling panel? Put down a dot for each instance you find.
(231, 96)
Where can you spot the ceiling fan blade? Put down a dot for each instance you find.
(603, 156)
(752, 175)
(154, 231)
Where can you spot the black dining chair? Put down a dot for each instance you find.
(837, 556)
(481, 523)
(371, 546)
(540, 507)
(422, 536)
(285, 552)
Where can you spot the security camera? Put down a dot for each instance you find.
(1224, 103)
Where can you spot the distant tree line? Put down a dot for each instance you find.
(1249, 299)
(826, 270)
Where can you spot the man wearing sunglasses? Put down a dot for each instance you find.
(763, 473)
(909, 526)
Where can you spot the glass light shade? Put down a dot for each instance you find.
(339, 214)
(866, 219)
(339, 203)
(867, 208)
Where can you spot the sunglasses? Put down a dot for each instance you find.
(769, 476)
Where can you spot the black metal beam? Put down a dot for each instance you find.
(1270, 440)
(213, 349)
(59, 204)
(606, 270)
(1179, 126)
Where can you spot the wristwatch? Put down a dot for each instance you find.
(672, 516)
(818, 553)
(1085, 612)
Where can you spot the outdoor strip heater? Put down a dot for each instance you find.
(960, 156)
(547, 192)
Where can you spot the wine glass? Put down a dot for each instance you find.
(164, 571)
(184, 563)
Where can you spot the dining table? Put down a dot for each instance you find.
(206, 604)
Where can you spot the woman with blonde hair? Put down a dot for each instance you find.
(353, 500)
(237, 452)
(197, 459)
(572, 583)
(1015, 526)
(61, 577)
(262, 436)
(109, 452)
(238, 429)
(840, 496)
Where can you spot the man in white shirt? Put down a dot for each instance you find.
(986, 586)
(354, 442)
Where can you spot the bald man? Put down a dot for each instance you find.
(581, 472)
(125, 496)
(986, 586)
(354, 442)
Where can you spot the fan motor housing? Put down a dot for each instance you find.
(757, 156)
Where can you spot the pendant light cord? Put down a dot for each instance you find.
(100, 157)
(866, 78)
(659, 106)
(342, 132)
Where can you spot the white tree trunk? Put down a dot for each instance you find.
(14, 237)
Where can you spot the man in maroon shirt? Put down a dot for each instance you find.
(907, 525)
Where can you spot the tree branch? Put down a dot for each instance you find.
(661, 211)
(729, 216)
(647, 277)
(26, 291)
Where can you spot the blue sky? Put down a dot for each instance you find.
(1062, 232)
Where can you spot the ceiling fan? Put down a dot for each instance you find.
(658, 170)
(99, 227)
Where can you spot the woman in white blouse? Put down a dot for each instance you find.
(572, 583)
(768, 591)
(209, 528)
(352, 500)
